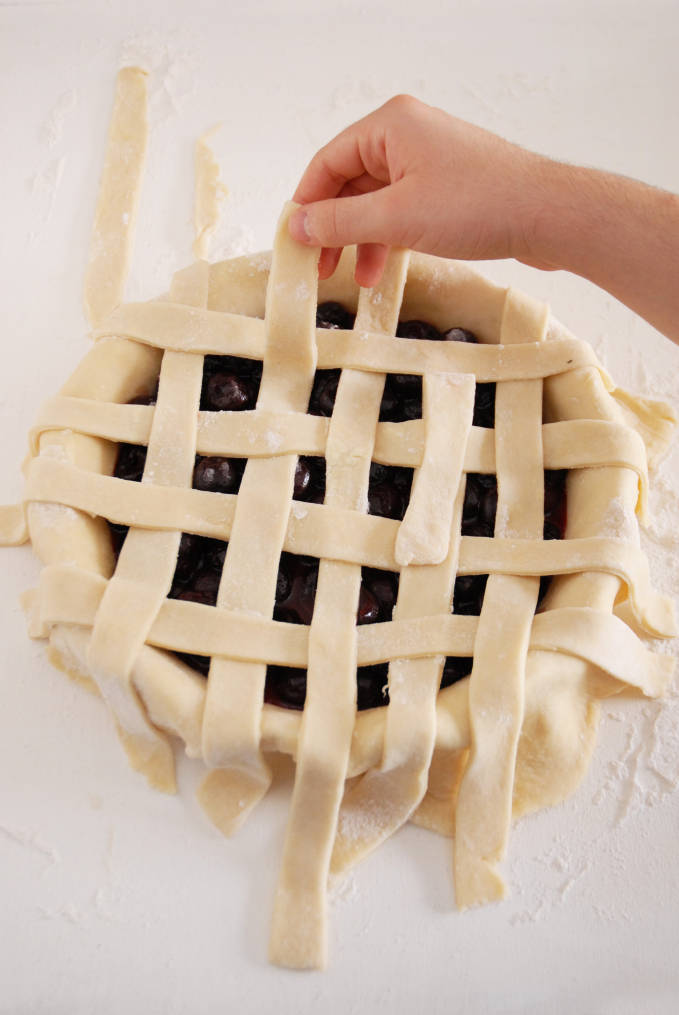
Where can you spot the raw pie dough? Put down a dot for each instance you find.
(514, 736)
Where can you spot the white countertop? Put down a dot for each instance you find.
(117, 899)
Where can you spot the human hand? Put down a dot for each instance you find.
(411, 175)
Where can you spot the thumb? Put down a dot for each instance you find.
(341, 221)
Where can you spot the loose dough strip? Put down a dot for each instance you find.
(385, 798)
(116, 211)
(208, 195)
(299, 929)
(496, 684)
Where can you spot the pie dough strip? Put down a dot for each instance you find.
(424, 535)
(299, 926)
(116, 211)
(574, 444)
(235, 690)
(13, 525)
(496, 683)
(70, 595)
(349, 536)
(171, 326)
(208, 195)
(147, 560)
(385, 797)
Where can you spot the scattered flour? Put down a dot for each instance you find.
(53, 128)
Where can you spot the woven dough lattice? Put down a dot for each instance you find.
(514, 736)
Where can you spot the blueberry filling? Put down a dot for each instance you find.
(478, 519)
(232, 384)
(402, 397)
(295, 594)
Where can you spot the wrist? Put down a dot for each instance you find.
(555, 216)
(613, 231)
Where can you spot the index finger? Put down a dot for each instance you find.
(348, 156)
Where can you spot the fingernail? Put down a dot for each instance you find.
(299, 228)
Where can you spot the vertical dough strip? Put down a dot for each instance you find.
(496, 690)
(235, 691)
(119, 190)
(299, 932)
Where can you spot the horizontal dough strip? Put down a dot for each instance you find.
(653, 611)
(190, 329)
(70, 595)
(127, 503)
(321, 531)
(574, 444)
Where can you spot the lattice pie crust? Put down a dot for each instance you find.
(514, 736)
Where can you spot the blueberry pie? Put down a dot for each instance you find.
(389, 532)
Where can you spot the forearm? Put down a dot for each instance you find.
(620, 234)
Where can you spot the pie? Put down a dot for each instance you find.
(391, 532)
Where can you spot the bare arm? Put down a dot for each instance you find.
(411, 175)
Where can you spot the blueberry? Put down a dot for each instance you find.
(203, 588)
(302, 479)
(371, 686)
(131, 462)
(384, 586)
(189, 558)
(386, 501)
(324, 392)
(484, 406)
(489, 508)
(460, 335)
(378, 473)
(217, 474)
(388, 405)
(455, 668)
(283, 586)
(418, 330)
(368, 607)
(551, 531)
(228, 392)
(334, 315)
(285, 686)
(468, 594)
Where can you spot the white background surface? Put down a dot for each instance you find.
(116, 899)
